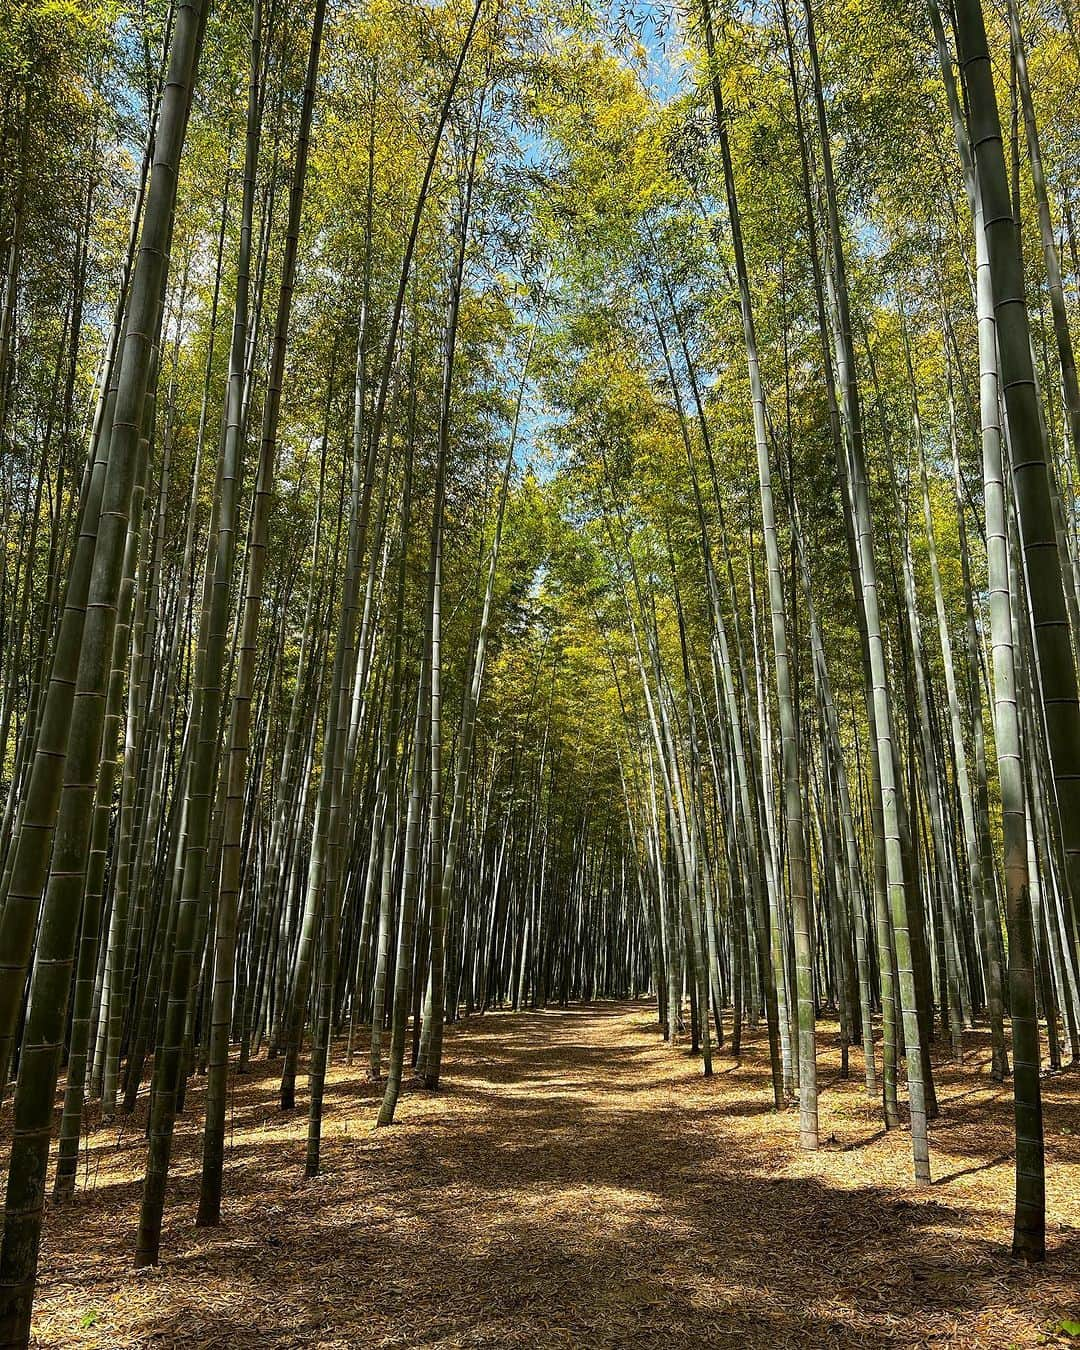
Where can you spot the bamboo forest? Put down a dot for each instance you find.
(539, 646)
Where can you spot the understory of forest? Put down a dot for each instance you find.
(575, 1184)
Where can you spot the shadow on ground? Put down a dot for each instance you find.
(574, 1184)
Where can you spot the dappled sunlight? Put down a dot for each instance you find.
(575, 1183)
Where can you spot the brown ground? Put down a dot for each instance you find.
(576, 1184)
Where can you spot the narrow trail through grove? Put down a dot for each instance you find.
(574, 1184)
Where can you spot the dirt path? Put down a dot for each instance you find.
(576, 1184)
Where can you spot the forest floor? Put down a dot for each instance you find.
(575, 1184)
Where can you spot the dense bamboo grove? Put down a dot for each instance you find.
(512, 504)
